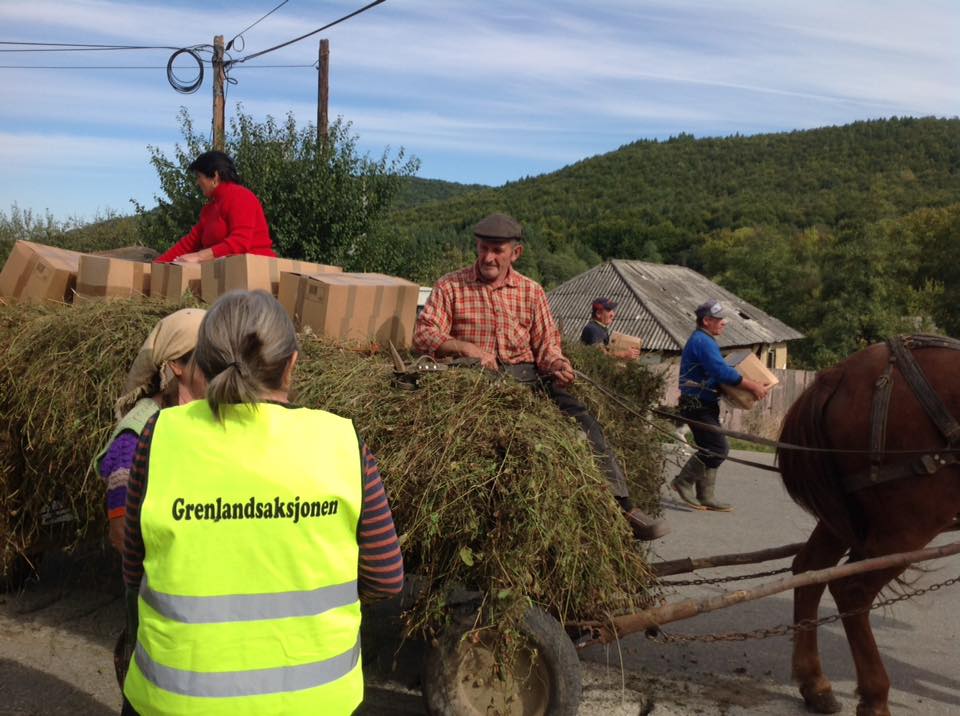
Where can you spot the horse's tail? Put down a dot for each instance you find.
(812, 479)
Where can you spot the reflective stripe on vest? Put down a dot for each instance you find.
(248, 607)
(249, 600)
(247, 683)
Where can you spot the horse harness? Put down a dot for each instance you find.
(901, 357)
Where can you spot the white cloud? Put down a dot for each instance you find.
(537, 82)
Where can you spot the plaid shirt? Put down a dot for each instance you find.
(512, 321)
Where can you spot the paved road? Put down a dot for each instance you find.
(917, 638)
(56, 637)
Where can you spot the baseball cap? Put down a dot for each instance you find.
(711, 309)
(604, 303)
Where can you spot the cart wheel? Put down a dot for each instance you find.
(544, 680)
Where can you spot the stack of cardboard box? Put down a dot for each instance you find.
(352, 307)
(38, 273)
(101, 277)
(171, 281)
(349, 307)
(750, 367)
(250, 272)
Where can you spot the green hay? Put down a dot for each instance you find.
(492, 489)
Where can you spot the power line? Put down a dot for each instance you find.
(70, 47)
(239, 34)
(309, 34)
(140, 67)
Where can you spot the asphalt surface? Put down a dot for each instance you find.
(917, 638)
(57, 636)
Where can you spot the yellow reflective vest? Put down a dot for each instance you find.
(249, 602)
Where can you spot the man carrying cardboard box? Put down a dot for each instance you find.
(702, 372)
(597, 330)
(500, 318)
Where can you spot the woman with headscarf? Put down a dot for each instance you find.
(157, 379)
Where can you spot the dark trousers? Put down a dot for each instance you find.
(713, 446)
(571, 407)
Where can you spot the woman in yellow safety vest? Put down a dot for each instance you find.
(262, 526)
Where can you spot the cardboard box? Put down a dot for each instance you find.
(352, 307)
(622, 342)
(750, 367)
(36, 273)
(101, 277)
(171, 281)
(251, 272)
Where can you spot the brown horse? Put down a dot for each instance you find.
(910, 499)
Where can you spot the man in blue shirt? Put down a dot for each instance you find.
(702, 372)
(597, 331)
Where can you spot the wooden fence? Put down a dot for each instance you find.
(766, 417)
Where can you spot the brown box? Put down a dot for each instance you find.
(251, 272)
(352, 307)
(622, 342)
(35, 272)
(750, 367)
(104, 277)
(171, 281)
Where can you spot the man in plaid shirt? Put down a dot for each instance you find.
(500, 318)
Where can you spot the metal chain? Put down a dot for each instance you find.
(721, 580)
(804, 625)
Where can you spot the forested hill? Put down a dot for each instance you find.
(415, 191)
(652, 199)
(833, 230)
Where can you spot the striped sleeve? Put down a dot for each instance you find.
(115, 471)
(133, 550)
(381, 564)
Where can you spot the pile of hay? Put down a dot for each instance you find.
(492, 489)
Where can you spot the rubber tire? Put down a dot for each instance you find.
(555, 651)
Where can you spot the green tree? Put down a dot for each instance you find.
(323, 201)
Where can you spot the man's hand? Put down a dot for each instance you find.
(759, 390)
(471, 350)
(563, 376)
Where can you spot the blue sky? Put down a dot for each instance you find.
(483, 91)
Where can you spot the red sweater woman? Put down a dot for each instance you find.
(232, 222)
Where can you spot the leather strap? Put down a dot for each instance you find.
(878, 418)
(928, 464)
(934, 407)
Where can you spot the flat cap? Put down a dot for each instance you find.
(498, 227)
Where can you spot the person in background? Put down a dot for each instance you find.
(597, 330)
(254, 529)
(702, 371)
(499, 317)
(159, 378)
(232, 222)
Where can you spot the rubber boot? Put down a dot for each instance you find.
(645, 527)
(689, 477)
(706, 487)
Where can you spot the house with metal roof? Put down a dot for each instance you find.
(656, 303)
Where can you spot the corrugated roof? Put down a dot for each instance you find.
(656, 303)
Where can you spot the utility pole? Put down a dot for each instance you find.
(323, 92)
(218, 104)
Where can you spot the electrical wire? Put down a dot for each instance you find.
(84, 48)
(178, 84)
(309, 34)
(142, 67)
(249, 27)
